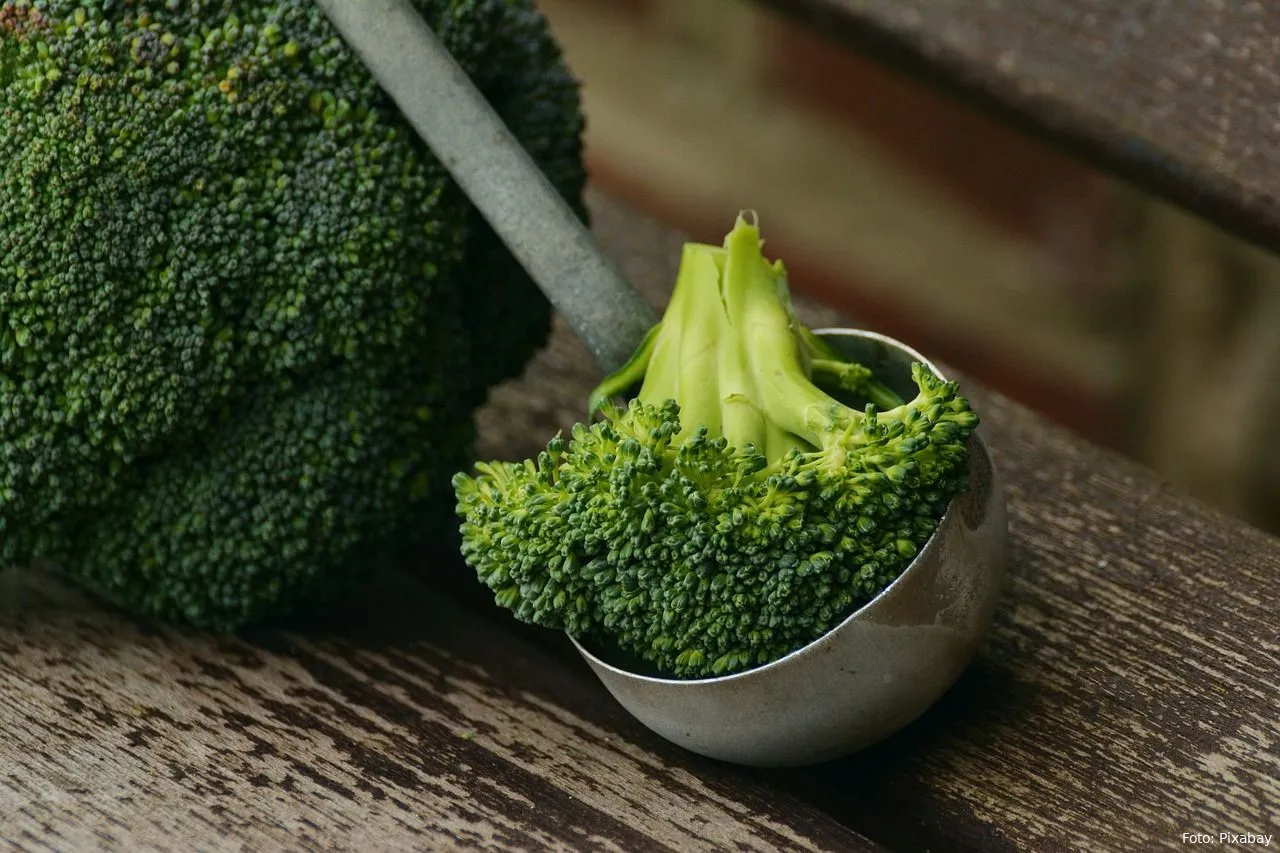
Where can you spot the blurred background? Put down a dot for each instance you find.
(1122, 318)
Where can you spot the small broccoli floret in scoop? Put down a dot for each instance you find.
(733, 511)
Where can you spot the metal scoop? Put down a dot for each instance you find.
(884, 664)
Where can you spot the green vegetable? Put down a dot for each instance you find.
(244, 315)
(733, 511)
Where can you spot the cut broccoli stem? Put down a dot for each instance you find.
(731, 304)
(723, 320)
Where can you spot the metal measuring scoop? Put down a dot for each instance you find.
(884, 664)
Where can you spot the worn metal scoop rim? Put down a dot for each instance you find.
(763, 670)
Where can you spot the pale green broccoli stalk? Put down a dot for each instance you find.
(245, 315)
(733, 511)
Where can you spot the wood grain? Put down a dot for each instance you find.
(1127, 694)
(410, 724)
(1183, 98)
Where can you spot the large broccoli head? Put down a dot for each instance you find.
(238, 296)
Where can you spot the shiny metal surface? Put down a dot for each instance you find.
(880, 668)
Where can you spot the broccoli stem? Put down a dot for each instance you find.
(829, 366)
(735, 357)
(772, 344)
(694, 345)
(703, 352)
(856, 378)
(625, 377)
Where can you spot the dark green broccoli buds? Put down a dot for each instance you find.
(239, 296)
(733, 511)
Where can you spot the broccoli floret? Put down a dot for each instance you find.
(732, 511)
(241, 304)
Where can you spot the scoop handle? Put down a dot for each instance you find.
(497, 174)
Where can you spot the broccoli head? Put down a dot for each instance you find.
(240, 301)
(732, 511)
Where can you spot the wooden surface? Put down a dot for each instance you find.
(407, 726)
(1127, 694)
(1183, 98)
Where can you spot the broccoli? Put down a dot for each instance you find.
(240, 301)
(732, 511)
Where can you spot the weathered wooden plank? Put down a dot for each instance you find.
(411, 724)
(1183, 98)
